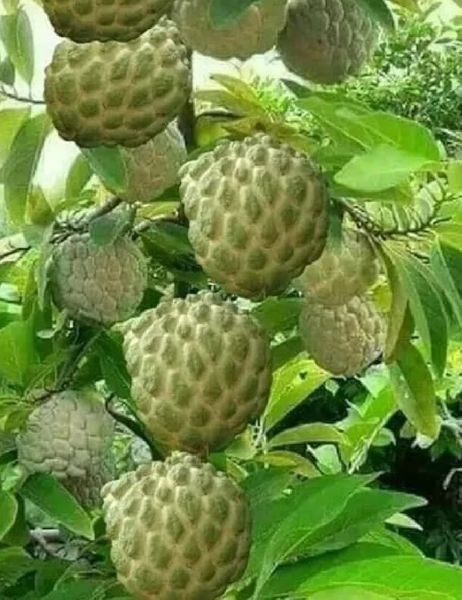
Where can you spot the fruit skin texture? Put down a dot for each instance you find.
(258, 214)
(98, 284)
(253, 32)
(86, 21)
(69, 436)
(344, 270)
(326, 41)
(200, 371)
(343, 339)
(118, 93)
(179, 529)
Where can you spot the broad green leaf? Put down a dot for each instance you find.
(349, 593)
(278, 314)
(288, 460)
(380, 12)
(24, 60)
(8, 512)
(109, 165)
(266, 485)
(113, 366)
(450, 233)
(7, 72)
(18, 533)
(21, 164)
(308, 434)
(17, 351)
(105, 230)
(79, 175)
(224, 12)
(454, 173)
(14, 564)
(286, 351)
(11, 120)
(446, 261)
(387, 537)
(53, 499)
(75, 590)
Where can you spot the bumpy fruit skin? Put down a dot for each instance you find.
(253, 32)
(326, 41)
(179, 530)
(118, 93)
(69, 436)
(98, 284)
(258, 214)
(343, 339)
(153, 167)
(89, 20)
(200, 371)
(344, 270)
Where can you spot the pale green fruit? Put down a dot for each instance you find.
(98, 284)
(70, 436)
(346, 269)
(153, 167)
(118, 92)
(253, 32)
(200, 371)
(179, 529)
(258, 214)
(326, 41)
(343, 339)
(88, 20)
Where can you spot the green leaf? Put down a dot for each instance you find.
(8, 511)
(113, 366)
(53, 499)
(11, 120)
(7, 71)
(75, 590)
(278, 314)
(109, 165)
(454, 173)
(307, 434)
(17, 351)
(105, 230)
(25, 46)
(266, 485)
(21, 164)
(380, 12)
(79, 175)
(224, 12)
(14, 564)
(288, 460)
(446, 261)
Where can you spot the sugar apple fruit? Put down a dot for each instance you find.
(200, 371)
(89, 20)
(179, 530)
(326, 41)
(253, 32)
(121, 93)
(98, 284)
(344, 270)
(70, 437)
(153, 167)
(258, 214)
(343, 339)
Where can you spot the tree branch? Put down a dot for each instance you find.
(19, 98)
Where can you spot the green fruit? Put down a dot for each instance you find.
(118, 93)
(344, 270)
(200, 371)
(98, 284)
(153, 167)
(179, 530)
(89, 20)
(69, 436)
(343, 339)
(253, 32)
(258, 214)
(326, 41)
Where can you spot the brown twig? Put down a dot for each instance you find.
(18, 98)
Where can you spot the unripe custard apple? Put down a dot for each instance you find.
(89, 20)
(255, 31)
(70, 436)
(258, 214)
(200, 371)
(346, 269)
(121, 93)
(179, 529)
(153, 167)
(326, 41)
(343, 339)
(98, 284)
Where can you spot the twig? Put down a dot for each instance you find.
(13, 251)
(102, 210)
(19, 98)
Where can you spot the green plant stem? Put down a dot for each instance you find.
(23, 99)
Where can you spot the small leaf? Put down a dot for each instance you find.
(455, 176)
(308, 434)
(113, 366)
(109, 165)
(278, 314)
(17, 351)
(379, 10)
(25, 46)
(7, 72)
(11, 120)
(79, 175)
(266, 485)
(14, 564)
(105, 230)
(8, 511)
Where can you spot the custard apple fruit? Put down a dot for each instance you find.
(326, 41)
(153, 167)
(255, 31)
(69, 436)
(179, 529)
(344, 270)
(258, 214)
(200, 371)
(89, 20)
(125, 93)
(98, 284)
(343, 339)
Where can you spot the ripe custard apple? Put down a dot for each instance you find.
(255, 31)
(121, 93)
(326, 41)
(200, 371)
(343, 339)
(179, 530)
(344, 270)
(258, 214)
(98, 284)
(70, 437)
(89, 20)
(153, 167)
